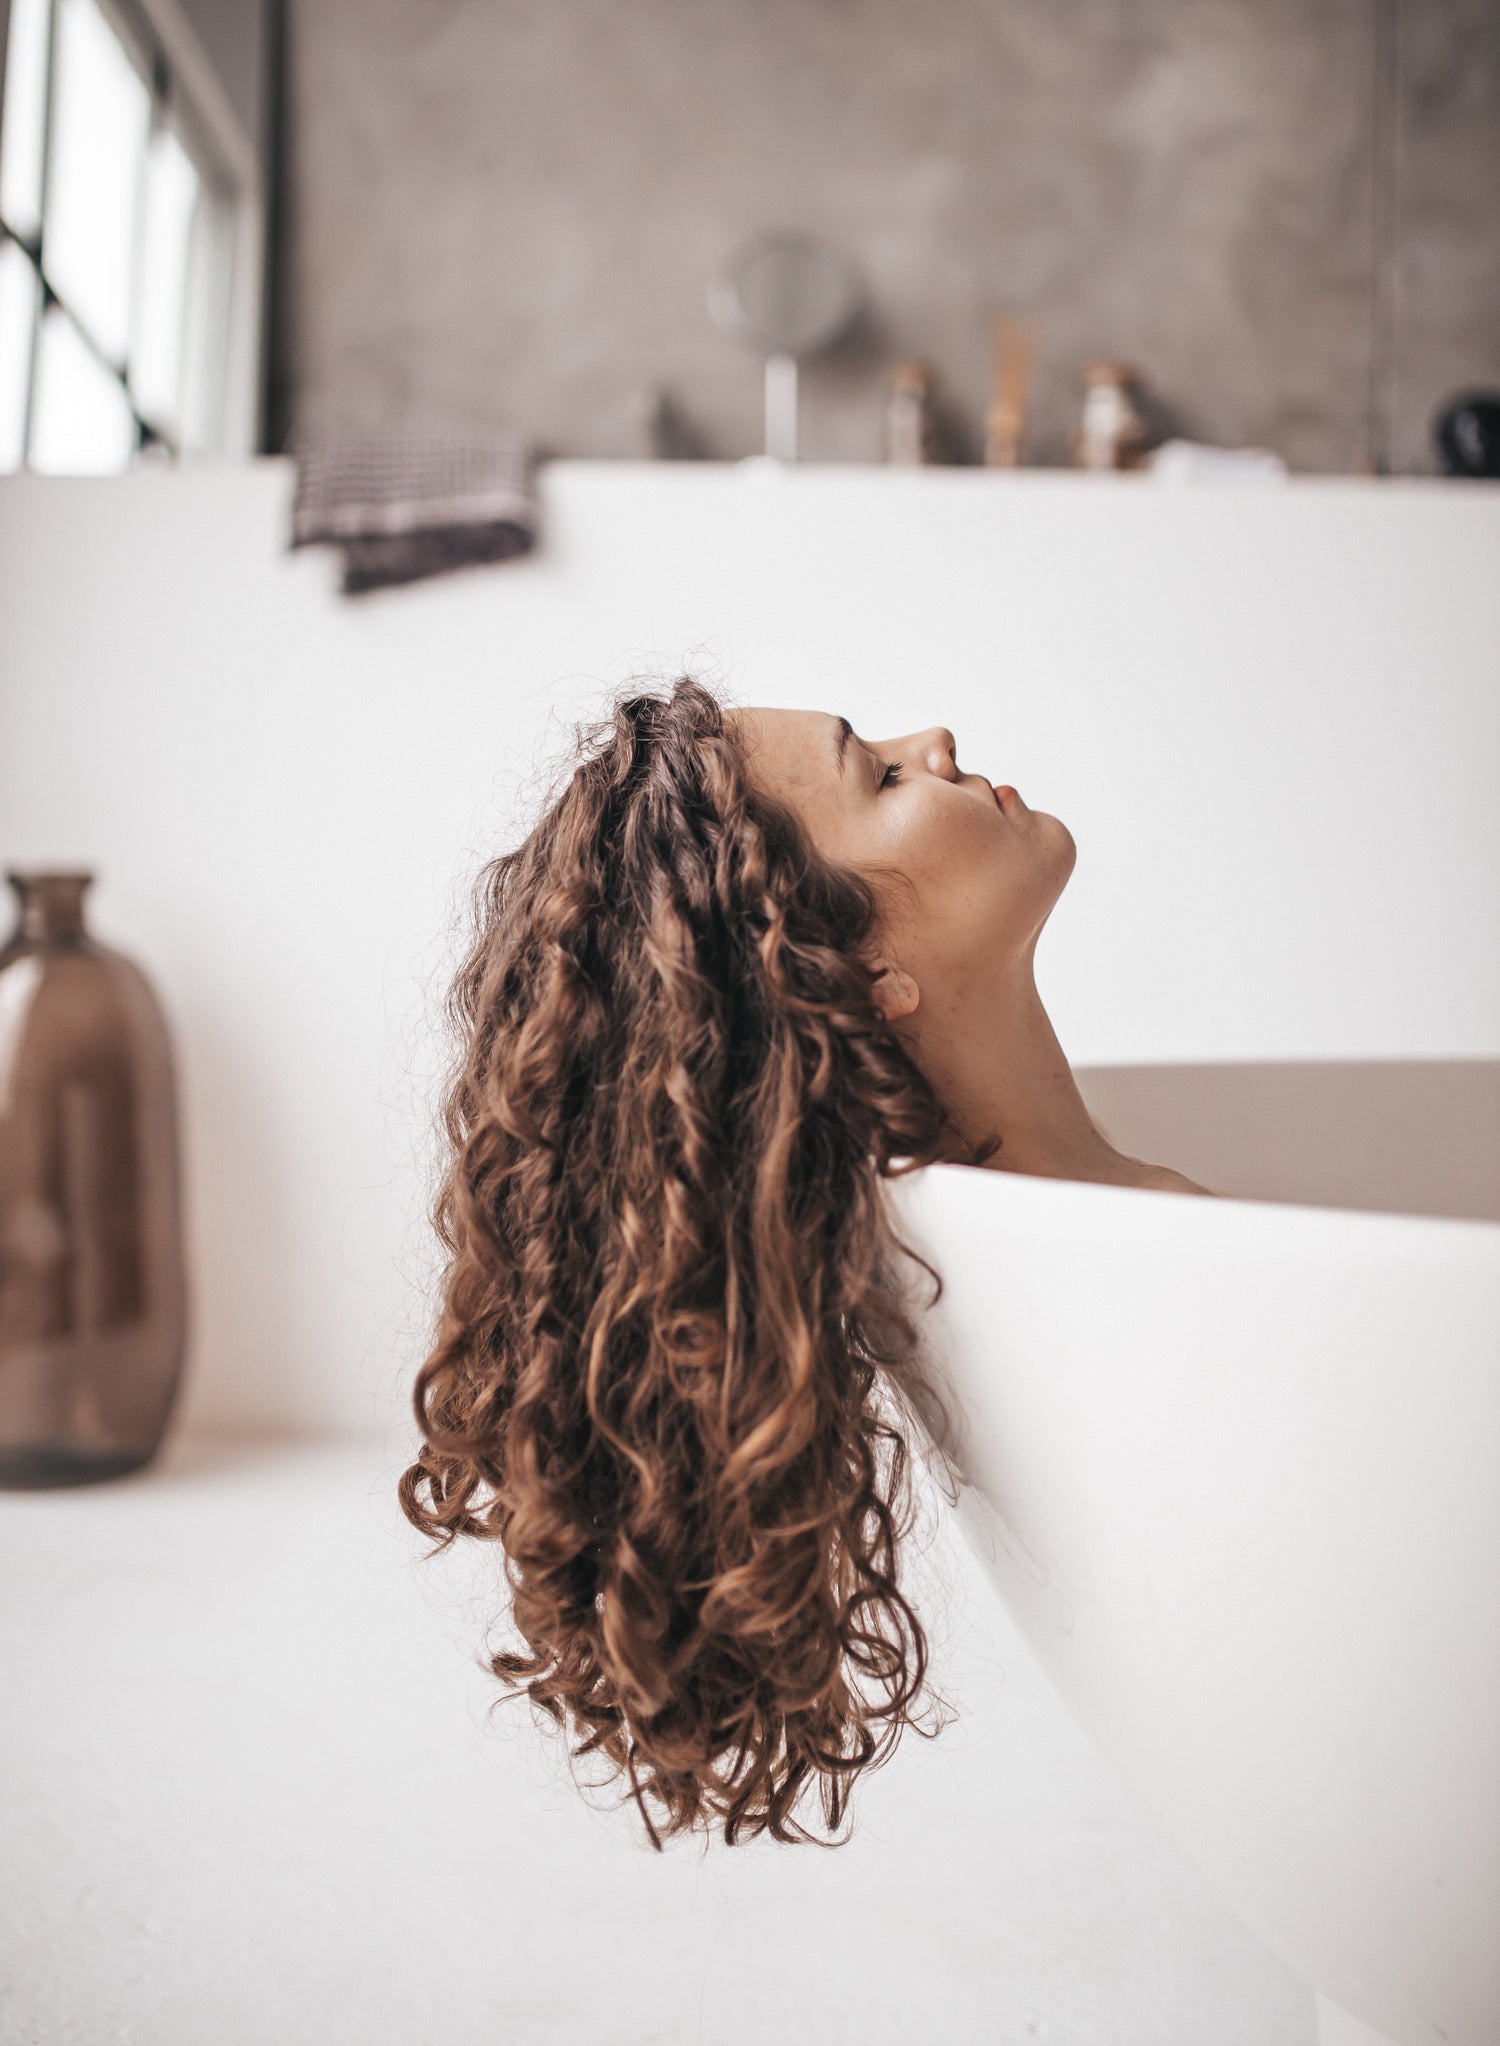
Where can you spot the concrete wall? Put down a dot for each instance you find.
(508, 210)
(1446, 273)
(1269, 717)
(237, 37)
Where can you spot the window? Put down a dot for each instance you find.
(129, 245)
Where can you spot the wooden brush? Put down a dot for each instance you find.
(1005, 417)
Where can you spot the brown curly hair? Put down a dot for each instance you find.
(675, 1352)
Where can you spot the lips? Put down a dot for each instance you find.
(1003, 793)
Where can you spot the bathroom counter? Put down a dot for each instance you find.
(250, 1794)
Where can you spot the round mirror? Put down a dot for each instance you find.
(787, 293)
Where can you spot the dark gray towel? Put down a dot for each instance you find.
(413, 502)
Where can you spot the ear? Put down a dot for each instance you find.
(896, 992)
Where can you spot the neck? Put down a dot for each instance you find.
(999, 1066)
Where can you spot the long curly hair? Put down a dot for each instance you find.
(675, 1366)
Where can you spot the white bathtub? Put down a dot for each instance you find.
(1234, 1467)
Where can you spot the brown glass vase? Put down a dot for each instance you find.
(93, 1317)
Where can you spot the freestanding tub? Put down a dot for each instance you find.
(1234, 1467)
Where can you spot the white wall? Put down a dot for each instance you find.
(1270, 717)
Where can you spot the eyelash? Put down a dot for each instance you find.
(892, 775)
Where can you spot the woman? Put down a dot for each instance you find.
(746, 966)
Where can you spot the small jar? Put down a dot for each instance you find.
(1112, 432)
(92, 1292)
(909, 415)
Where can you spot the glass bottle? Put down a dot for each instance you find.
(1112, 431)
(93, 1318)
(909, 414)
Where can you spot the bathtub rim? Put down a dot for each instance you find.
(1289, 1223)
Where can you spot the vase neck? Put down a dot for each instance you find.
(51, 905)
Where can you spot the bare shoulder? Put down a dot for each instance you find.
(1164, 1180)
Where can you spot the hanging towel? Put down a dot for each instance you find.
(412, 502)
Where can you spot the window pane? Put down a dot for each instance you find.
(161, 298)
(101, 112)
(18, 297)
(205, 340)
(82, 424)
(22, 120)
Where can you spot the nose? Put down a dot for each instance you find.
(937, 749)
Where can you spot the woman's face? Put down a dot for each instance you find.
(981, 876)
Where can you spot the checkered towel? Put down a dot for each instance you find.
(411, 503)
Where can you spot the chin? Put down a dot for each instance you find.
(1062, 840)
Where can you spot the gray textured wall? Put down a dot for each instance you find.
(236, 36)
(508, 210)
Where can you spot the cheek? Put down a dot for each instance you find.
(975, 876)
(951, 844)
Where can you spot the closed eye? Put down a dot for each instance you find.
(891, 775)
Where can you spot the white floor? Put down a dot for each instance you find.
(249, 1795)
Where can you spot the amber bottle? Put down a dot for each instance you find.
(92, 1289)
